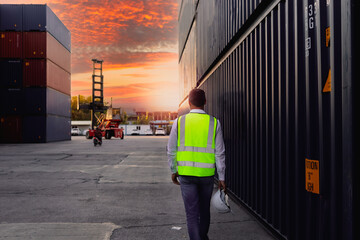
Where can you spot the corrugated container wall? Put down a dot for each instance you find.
(44, 73)
(34, 17)
(187, 16)
(12, 101)
(44, 45)
(41, 18)
(48, 128)
(35, 79)
(11, 73)
(187, 64)
(11, 17)
(279, 75)
(41, 101)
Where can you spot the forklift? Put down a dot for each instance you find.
(109, 127)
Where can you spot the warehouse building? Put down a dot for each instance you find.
(35, 79)
(280, 76)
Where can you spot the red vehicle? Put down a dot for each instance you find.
(109, 128)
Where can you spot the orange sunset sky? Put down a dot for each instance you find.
(137, 39)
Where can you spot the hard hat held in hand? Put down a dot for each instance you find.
(220, 201)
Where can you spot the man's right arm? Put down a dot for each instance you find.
(172, 147)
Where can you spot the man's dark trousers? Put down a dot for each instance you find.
(196, 193)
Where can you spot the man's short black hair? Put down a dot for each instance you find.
(197, 97)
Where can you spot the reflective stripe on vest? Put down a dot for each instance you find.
(196, 154)
(196, 164)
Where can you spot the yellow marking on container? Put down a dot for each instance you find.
(327, 35)
(327, 87)
(2, 35)
(312, 183)
(27, 64)
(34, 52)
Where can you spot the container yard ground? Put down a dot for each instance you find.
(121, 190)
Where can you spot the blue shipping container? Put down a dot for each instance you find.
(38, 17)
(11, 73)
(11, 17)
(46, 128)
(11, 102)
(46, 101)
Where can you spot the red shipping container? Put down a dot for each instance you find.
(58, 78)
(34, 44)
(11, 45)
(11, 129)
(44, 45)
(34, 73)
(45, 73)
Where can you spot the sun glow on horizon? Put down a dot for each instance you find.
(153, 87)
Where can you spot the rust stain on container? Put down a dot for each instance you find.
(11, 129)
(11, 45)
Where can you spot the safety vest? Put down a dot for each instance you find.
(196, 145)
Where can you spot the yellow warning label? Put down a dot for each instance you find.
(327, 87)
(2, 35)
(327, 35)
(27, 64)
(312, 176)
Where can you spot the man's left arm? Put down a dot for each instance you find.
(220, 156)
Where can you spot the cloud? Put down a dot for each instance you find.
(118, 31)
(137, 39)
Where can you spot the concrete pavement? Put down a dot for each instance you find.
(121, 190)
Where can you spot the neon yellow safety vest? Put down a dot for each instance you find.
(196, 145)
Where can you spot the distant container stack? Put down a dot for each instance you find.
(35, 75)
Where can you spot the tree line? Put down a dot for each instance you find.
(85, 114)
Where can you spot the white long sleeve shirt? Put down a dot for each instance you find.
(219, 147)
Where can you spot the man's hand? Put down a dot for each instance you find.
(222, 185)
(174, 177)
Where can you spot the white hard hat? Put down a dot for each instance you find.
(220, 201)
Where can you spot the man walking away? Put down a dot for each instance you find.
(195, 147)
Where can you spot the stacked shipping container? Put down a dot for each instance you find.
(35, 75)
(280, 76)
